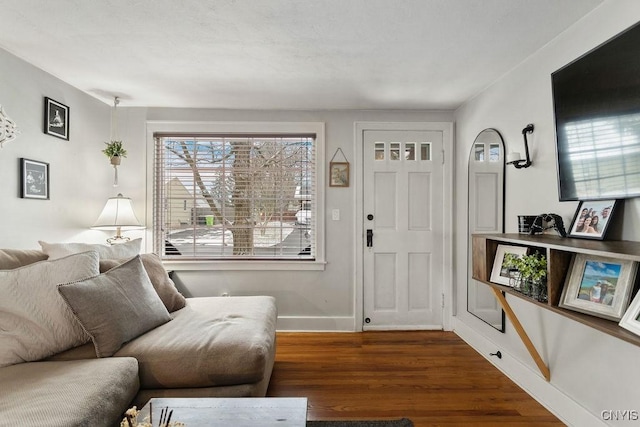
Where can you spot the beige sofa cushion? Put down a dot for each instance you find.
(122, 250)
(116, 306)
(213, 341)
(61, 394)
(14, 258)
(162, 283)
(35, 321)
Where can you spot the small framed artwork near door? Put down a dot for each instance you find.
(339, 174)
(34, 178)
(56, 119)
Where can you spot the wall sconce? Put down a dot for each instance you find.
(514, 158)
(117, 215)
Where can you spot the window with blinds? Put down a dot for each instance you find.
(235, 196)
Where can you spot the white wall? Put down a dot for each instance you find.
(589, 367)
(81, 181)
(81, 176)
(307, 300)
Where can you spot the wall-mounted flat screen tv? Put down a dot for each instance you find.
(597, 115)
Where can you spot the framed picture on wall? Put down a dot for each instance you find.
(500, 272)
(56, 119)
(339, 174)
(599, 286)
(592, 219)
(631, 319)
(34, 178)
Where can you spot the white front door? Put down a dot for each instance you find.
(403, 198)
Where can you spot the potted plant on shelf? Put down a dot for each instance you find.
(532, 274)
(115, 151)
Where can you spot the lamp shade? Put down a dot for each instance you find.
(117, 214)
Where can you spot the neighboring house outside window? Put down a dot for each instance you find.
(239, 196)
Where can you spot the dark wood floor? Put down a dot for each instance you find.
(431, 377)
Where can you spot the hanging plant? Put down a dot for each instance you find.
(114, 148)
(115, 151)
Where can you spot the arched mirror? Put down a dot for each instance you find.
(486, 215)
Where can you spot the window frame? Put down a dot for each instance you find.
(317, 128)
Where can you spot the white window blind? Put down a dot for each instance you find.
(603, 154)
(235, 196)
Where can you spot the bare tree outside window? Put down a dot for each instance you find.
(243, 196)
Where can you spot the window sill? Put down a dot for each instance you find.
(194, 265)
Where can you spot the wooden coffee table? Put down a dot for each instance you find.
(237, 411)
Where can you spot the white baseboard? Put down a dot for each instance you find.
(558, 403)
(316, 324)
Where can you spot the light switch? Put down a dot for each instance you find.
(335, 214)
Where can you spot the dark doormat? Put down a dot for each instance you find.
(404, 422)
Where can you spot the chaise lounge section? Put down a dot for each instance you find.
(209, 347)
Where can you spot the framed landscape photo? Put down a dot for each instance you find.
(339, 174)
(592, 219)
(34, 179)
(56, 119)
(500, 272)
(599, 286)
(631, 319)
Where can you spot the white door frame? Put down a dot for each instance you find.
(447, 268)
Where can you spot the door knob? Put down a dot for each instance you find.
(369, 238)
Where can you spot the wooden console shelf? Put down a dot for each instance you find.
(559, 252)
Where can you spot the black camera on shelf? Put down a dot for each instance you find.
(547, 221)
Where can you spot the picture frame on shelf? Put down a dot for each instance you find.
(34, 179)
(592, 219)
(599, 286)
(631, 318)
(338, 174)
(56, 119)
(500, 272)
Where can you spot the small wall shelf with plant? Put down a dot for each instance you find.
(488, 258)
(559, 253)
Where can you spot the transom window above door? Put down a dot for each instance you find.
(408, 151)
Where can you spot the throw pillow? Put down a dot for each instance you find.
(162, 283)
(121, 250)
(14, 258)
(35, 322)
(115, 307)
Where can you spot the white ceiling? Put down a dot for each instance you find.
(283, 54)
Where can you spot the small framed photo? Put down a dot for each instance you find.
(338, 174)
(34, 178)
(592, 219)
(599, 286)
(500, 272)
(631, 319)
(56, 119)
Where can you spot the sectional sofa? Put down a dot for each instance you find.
(88, 330)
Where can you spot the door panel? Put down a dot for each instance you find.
(419, 191)
(384, 282)
(403, 191)
(385, 204)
